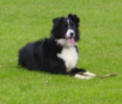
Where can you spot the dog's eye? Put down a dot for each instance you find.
(72, 24)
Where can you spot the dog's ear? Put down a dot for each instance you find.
(74, 18)
(57, 20)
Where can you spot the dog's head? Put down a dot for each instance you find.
(66, 30)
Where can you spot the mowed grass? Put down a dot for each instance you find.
(100, 51)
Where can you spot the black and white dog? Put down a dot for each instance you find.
(57, 54)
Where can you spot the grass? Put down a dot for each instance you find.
(23, 21)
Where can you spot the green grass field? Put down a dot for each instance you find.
(23, 21)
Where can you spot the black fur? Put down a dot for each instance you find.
(42, 55)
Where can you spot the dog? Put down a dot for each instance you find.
(57, 54)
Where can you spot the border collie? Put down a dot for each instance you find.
(57, 54)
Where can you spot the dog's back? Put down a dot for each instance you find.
(41, 55)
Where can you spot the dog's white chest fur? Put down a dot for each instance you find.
(70, 57)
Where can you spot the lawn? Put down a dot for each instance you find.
(100, 51)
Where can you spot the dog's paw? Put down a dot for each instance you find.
(86, 75)
(79, 76)
(89, 74)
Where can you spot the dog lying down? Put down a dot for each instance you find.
(57, 54)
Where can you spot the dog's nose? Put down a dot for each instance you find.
(71, 34)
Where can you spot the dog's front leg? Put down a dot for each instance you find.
(82, 73)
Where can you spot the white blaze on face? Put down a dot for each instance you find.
(70, 41)
(69, 30)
